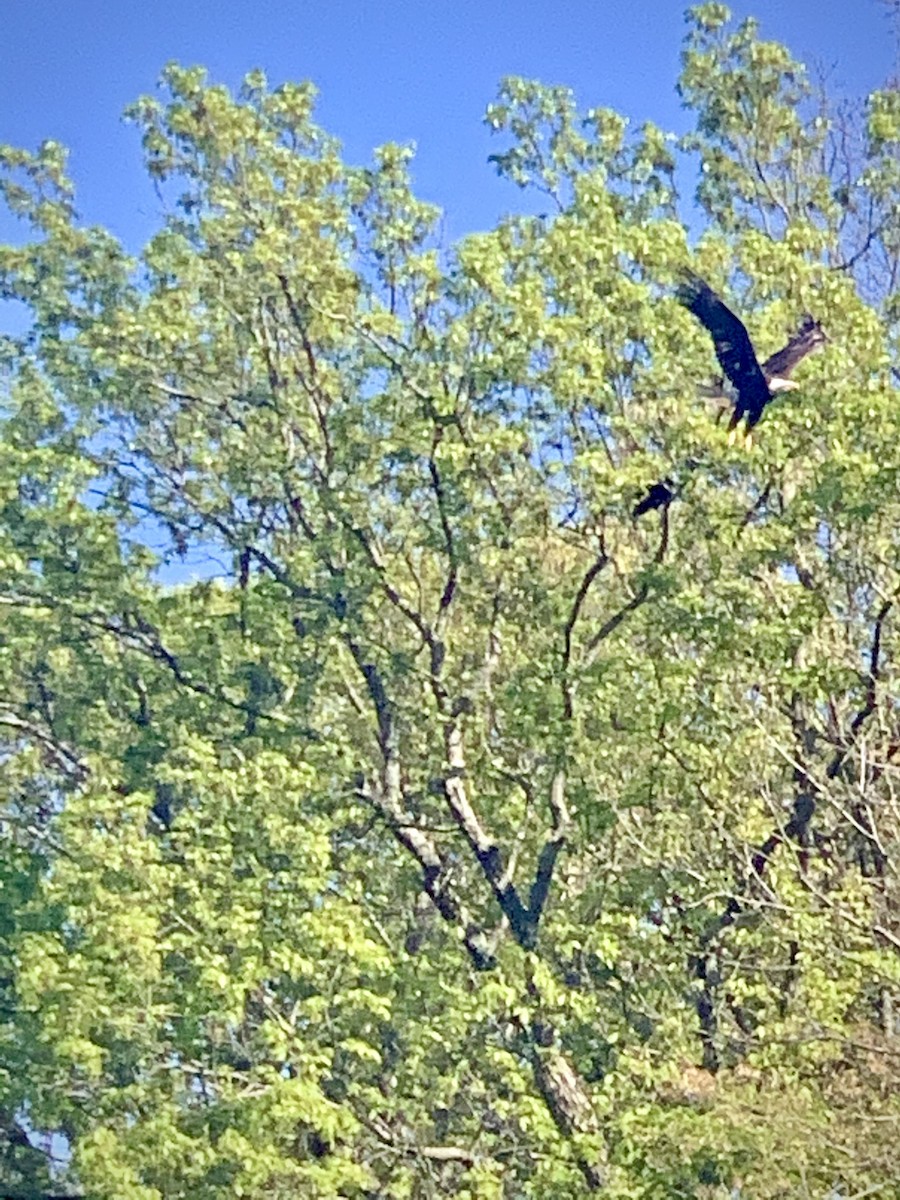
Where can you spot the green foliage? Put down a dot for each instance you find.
(385, 811)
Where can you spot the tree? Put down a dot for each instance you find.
(454, 833)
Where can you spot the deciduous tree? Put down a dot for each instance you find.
(386, 811)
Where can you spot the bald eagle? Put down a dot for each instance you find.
(754, 385)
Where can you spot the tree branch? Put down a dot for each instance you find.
(484, 847)
(550, 851)
(449, 543)
(580, 596)
(387, 800)
(63, 756)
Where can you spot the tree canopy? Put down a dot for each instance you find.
(385, 811)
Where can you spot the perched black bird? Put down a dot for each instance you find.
(754, 385)
(660, 495)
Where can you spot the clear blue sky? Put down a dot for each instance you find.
(405, 70)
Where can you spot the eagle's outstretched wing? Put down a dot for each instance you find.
(809, 337)
(734, 350)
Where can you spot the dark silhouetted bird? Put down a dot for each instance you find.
(660, 495)
(754, 385)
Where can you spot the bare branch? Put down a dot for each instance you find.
(387, 799)
(449, 543)
(485, 848)
(872, 681)
(550, 851)
(593, 571)
(59, 753)
(381, 1130)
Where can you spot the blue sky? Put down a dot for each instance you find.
(405, 70)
